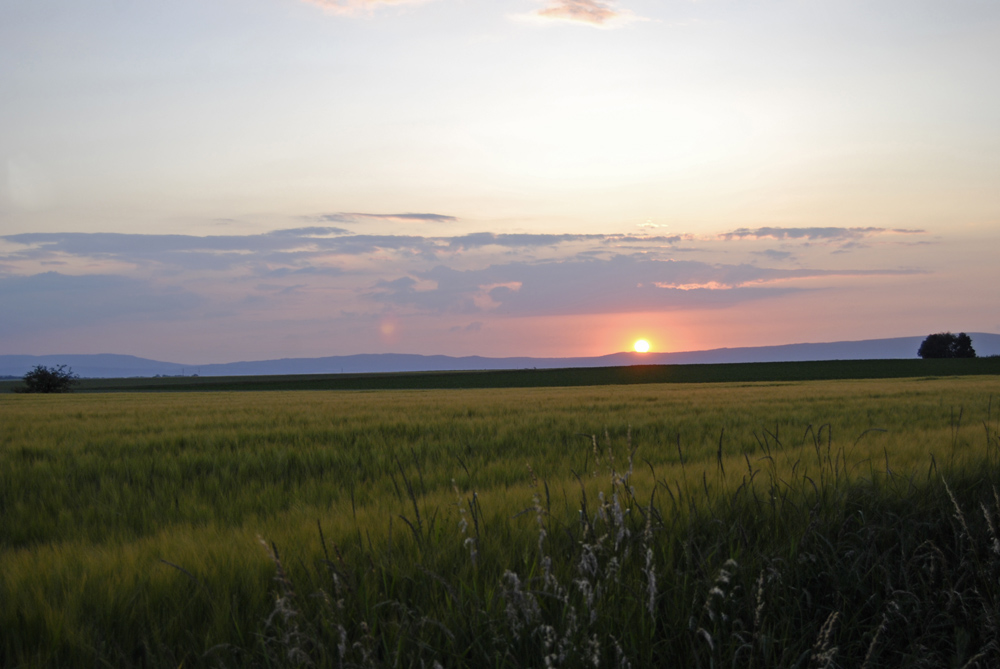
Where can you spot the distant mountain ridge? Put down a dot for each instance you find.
(119, 366)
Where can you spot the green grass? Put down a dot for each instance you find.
(541, 378)
(129, 526)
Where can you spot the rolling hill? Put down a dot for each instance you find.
(123, 366)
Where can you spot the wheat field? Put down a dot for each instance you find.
(753, 524)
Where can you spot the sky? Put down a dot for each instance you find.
(207, 181)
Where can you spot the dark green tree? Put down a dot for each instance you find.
(962, 347)
(43, 379)
(947, 345)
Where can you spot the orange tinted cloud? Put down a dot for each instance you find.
(599, 13)
(356, 7)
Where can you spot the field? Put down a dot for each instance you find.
(787, 523)
(550, 378)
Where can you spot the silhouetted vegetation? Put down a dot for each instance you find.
(44, 379)
(947, 345)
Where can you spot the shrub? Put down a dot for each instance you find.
(43, 379)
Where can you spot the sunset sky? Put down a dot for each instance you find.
(217, 180)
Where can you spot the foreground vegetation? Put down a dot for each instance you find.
(837, 523)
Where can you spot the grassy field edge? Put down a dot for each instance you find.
(536, 378)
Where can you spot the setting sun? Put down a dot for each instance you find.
(642, 346)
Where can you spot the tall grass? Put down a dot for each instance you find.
(782, 571)
(707, 526)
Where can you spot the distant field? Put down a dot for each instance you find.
(455, 526)
(540, 378)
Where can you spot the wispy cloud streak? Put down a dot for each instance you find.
(346, 217)
(826, 234)
(597, 13)
(358, 7)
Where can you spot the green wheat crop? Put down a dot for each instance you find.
(573, 526)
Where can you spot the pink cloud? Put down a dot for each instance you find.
(599, 13)
(356, 7)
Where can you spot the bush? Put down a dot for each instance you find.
(43, 379)
(947, 345)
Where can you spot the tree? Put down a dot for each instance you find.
(947, 345)
(963, 346)
(48, 380)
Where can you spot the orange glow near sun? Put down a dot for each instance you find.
(642, 346)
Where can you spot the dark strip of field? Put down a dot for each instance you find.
(533, 378)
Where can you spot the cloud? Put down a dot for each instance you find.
(827, 234)
(469, 274)
(773, 254)
(597, 13)
(294, 248)
(316, 276)
(97, 244)
(215, 252)
(54, 301)
(481, 239)
(282, 272)
(278, 289)
(324, 251)
(436, 218)
(358, 7)
(592, 286)
(352, 216)
(309, 232)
